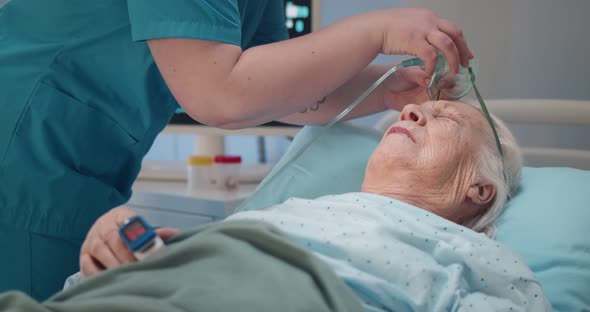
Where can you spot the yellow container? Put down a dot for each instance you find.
(199, 173)
(199, 160)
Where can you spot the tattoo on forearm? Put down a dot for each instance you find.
(315, 106)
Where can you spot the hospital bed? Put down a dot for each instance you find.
(547, 221)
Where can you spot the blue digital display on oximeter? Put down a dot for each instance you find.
(137, 233)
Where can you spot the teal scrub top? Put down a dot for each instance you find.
(81, 99)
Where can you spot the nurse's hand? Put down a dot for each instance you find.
(405, 87)
(420, 32)
(104, 249)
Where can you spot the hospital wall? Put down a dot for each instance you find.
(525, 49)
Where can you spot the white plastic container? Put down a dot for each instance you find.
(199, 173)
(227, 171)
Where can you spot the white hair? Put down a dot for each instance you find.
(501, 171)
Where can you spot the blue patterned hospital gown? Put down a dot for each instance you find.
(397, 257)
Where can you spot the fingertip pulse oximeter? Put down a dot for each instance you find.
(140, 238)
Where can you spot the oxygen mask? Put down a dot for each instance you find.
(452, 85)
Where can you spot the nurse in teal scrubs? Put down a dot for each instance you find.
(86, 86)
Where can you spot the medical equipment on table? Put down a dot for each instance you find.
(141, 238)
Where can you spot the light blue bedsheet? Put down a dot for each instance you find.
(397, 257)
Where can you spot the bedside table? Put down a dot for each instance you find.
(169, 203)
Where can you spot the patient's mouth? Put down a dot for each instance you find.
(401, 130)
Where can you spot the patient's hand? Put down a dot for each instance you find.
(104, 249)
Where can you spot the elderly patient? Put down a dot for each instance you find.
(442, 157)
(403, 243)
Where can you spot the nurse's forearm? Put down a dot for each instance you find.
(324, 110)
(219, 85)
(325, 75)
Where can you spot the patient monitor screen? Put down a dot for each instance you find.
(134, 230)
(298, 17)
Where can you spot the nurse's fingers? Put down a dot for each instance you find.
(87, 266)
(447, 81)
(414, 75)
(428, 55)
(456, 34)
(446, 45)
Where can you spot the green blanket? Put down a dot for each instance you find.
(230, 266)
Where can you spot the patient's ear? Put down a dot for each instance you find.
(481, 194)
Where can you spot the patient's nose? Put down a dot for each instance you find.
(412, 112)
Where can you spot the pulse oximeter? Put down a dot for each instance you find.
(140, 238)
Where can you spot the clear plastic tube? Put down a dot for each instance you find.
(406, 63)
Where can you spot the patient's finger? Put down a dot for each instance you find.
(118, 247)
(167, 232)
(87, 266)
(101, 252)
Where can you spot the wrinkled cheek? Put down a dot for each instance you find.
(431, 157)
(374, 161)
(439, 162)
(386, 160)
(382, 159)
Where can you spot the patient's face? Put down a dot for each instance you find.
(427, 154)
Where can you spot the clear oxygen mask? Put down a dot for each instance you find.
(452, 85)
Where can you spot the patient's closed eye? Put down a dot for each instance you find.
(449, 114)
